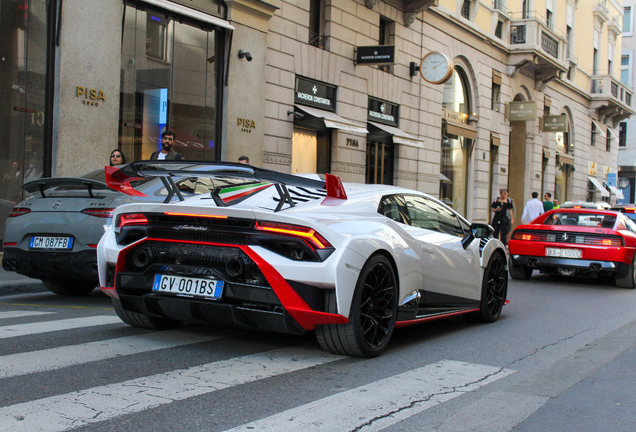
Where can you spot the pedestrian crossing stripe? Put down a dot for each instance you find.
(51, 326)
(80, 408)
(385, 402)
(20, 314)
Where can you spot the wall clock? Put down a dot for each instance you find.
(436, 68)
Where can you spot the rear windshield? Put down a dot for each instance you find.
(581, 219)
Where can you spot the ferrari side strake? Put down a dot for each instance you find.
(263, 250)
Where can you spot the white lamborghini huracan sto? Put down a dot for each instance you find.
(259, 249)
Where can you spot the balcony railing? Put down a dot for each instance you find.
(317, 40)
(532, 28)
(607, 85)
(498, 5)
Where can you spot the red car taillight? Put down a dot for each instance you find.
(309, 235)
(102, 213)
(130, 219)
(19, 211)
(525, 236)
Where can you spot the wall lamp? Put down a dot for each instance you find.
(296, 114)
(245, 54)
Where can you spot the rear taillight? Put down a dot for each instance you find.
(309, 235)
(130, 219)
(525, 236)
(102, 213)
(19, 211)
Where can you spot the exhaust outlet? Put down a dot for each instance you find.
(235, 266)
(595, 267)
(6, 266)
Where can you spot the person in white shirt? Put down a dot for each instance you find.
(533, 208)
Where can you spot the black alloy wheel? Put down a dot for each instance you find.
(494, 288)
(629, 280)
(373, 313)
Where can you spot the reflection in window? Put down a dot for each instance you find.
(428, 214)
(455, 148)
(157, 37)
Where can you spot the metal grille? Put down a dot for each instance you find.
(209, 237)
(200, 256)
(518, 34)
(549, 45)
(317, 40)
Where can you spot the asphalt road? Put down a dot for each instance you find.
(560, 358)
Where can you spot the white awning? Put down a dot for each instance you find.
(599, 186)
(399, 136)
(613, 134)
(600, 128)
(333, 120)
(616, 192)
(190, 13)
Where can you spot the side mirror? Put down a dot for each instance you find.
(477, 230)
(480, 230)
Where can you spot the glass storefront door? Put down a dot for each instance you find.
(23, 48)
(169, 81)
(379, 163)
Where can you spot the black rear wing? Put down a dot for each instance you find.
(41, 185)
(119, 179)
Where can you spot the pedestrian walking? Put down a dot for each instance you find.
(504, 210)
(533, 208)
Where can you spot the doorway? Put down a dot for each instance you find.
(169, 81)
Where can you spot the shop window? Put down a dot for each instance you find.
(310, 151)
(456, 147)
(316, 23)
(622, 134)
(169, 84)
(495, 96)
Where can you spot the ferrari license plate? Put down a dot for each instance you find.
(186, 286)
(44, 242)
(563, 253)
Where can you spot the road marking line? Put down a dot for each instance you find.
(50, 326)
(383, 403)
(19, 314)
(71, 355)
(55, 306)
(84, 407)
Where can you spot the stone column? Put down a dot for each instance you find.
(246, 83)
(87, 94)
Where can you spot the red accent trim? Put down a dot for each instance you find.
(300, 311)
(10, 244)
(110, 292)
(241, 195)
(91, 245)
(120, 182)
(335, 189)
(432, 318)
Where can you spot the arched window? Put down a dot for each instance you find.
(457, 137)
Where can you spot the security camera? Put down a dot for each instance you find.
(245, 54)
(297, 115)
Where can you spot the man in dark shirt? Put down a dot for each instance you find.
(547, 201)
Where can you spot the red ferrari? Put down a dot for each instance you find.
(575, 242)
